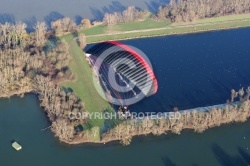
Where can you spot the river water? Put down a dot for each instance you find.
(48, 10)
(192, 70)
(21, 119)
(195, 70)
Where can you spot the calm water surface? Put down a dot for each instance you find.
(192, 70)
(21, 119)
(37, 10)
(196, 70)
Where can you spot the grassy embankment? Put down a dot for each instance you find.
(150, 28)
(83, 86)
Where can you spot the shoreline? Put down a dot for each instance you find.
(19, 93)
(239, 112)
(175, 34)
(235, 107)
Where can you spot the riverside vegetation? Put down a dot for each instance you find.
(190, 10)
(41, 62)
(177, 17)
(28, 65)
(196, 119)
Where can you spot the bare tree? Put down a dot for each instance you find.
(40, 32)
(86, 23)
(12, 35)
(234, 94)
(128, 15)
(82, 40)
(241, 94)
(63, 129)
(248, 93)
(189, 10)
(64, 25)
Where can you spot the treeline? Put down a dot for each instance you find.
(24, 55)
(59, 105)
(190, 10)
(242, 95)
(198, 121)
(128, 15)
(64, 25)
(29, 63)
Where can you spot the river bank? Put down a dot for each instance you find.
(17, 114)
(18, 93)
(197, 120)
(204, 25)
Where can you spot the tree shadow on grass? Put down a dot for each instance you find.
(225, 159)
(67, 90)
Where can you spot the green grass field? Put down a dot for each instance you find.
(130, 26)
(149, 28)
(218, 19)
(171, 31)
(140, 25)
(99, 29)
(83, 86)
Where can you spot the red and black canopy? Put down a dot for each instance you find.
(121, 57)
